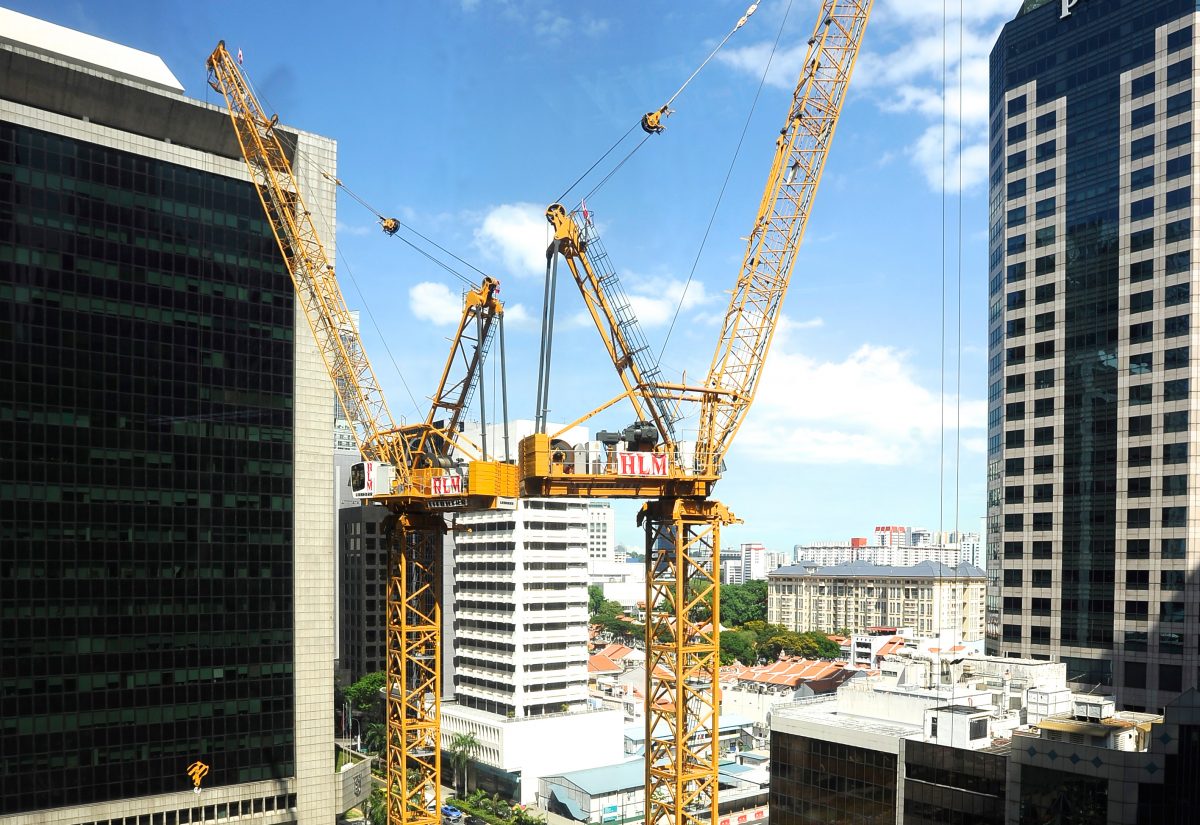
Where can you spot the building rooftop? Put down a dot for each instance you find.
(922, 570)
(604, 780)
(50, 40)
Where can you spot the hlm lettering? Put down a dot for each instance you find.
(1067, 5)
(642, 464)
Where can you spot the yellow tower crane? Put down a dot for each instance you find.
(647, 461)
(413, 470)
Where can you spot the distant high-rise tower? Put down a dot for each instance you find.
(1091, 550)
(166, 469)
(602, 531)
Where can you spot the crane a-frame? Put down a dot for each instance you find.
(413, 470)
(682, 524)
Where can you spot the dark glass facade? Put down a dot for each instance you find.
(146, 465)
(814, 781)
(1072, 361)
(953, 785)
(1062, 798)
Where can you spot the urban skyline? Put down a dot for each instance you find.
(122, 235)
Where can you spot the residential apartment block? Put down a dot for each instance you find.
(933, 599)
(1092, 543)
(520, 633)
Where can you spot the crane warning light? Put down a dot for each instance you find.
(641, 464)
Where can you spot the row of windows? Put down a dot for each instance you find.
(208, 813)
(1170, 677)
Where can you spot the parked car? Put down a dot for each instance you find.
(451, 814)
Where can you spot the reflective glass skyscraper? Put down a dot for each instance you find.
(1093, 547)
(166, 470)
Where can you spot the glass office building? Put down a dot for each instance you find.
(1092, 553)
(161, 505)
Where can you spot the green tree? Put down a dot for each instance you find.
(595, 599)
(742, 603)
(376, 806)
(737, 646)
(366, 696)
(463, 746)
(374, 737)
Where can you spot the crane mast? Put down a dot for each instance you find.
(682, 525)
(412, 470)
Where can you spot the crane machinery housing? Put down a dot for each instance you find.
(682, 524)
(413, 470)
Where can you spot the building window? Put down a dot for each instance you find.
(1141, 116)
(1174, 485)
(1142, 148)
(1137, 518)
(1175, 453)
(1137, 579)
(1141, 209)
(1043, 407)
(1173, 548)
(1143, 85)
(1175, 422)
(1135, 675)
(1179, 135)
(1178, 263)
(1012, 577)
(1137, 548)
(1171, 612)
(1139, 487)
(1141, 333)
(1174, 517)
(1042, 578)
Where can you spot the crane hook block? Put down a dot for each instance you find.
(652, 121)
(390, 225)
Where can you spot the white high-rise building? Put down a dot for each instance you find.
(602, 528)
(520, 644)
(754, 563)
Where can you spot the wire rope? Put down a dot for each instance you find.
(665, 110)
(725, 184)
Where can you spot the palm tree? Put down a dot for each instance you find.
(463, 746)
(374, 737)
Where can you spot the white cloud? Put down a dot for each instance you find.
(515, 235)
(516, 315)
(436, 303)
(654, 300)
(354, 229)
(867, 409)
(910, 47)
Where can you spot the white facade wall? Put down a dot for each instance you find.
(521, 608)
(542, 746)
(602, 531)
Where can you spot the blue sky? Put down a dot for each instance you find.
(465, 118)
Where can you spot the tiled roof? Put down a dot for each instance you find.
(599, 663)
